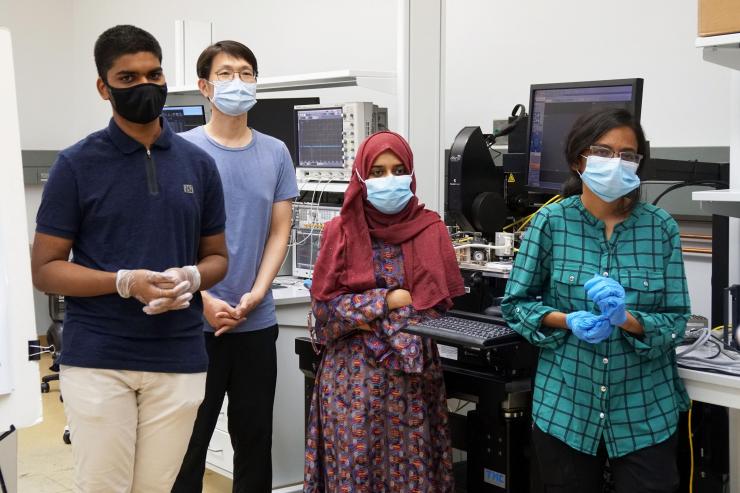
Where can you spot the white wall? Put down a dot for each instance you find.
(495, 50)
(288, 37)
(42, 48)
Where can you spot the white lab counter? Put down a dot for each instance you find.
(292, 304)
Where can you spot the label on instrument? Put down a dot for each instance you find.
(495, 478)
(448, 352)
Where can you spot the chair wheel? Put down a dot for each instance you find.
(45, 387)
(66, 437)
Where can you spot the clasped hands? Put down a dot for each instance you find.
(222, 316)
(159, 291)
(609, 296)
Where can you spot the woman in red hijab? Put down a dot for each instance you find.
(378, 419)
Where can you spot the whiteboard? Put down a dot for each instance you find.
(20, 404)
(6, 369)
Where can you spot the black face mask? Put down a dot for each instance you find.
(142, 103)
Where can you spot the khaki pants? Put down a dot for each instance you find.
(129, 429)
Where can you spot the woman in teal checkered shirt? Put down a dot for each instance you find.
(599, 286)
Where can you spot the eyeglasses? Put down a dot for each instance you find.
(605, 152)
(228, 75)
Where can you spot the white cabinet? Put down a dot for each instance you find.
(220, 456)
(223, 420)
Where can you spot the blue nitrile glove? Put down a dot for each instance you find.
(608, 295)
(600, 287)
(589, 327)
(612, 307)
(601, 330)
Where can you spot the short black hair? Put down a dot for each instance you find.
(586, 131)
(234, 48)
(123, 40)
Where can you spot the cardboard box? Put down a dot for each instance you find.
(719, 17)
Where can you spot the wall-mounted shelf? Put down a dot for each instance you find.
(721, 202)
(335, 187)
(379, 81)
(723, 50)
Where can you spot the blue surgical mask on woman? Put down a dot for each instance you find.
(389, 194)
(234, 97)
(610, 178)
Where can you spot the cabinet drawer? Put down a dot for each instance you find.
(223, 421)
(220, 453)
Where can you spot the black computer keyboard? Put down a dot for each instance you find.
(477, 331)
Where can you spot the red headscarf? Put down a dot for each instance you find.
(345, 262)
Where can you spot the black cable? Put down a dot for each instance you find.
(2, 479)
(719, 346)
(708, 183)
(520, 108)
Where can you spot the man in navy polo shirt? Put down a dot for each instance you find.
(142, 212)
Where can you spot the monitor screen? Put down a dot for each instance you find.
(319, 134)
(553, 108)
(184, 118)
(275, 117)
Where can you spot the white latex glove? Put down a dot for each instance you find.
(187, 278)
(188, 273)
(146, 285)
(161, 305)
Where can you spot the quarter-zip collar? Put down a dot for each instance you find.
(128, 145)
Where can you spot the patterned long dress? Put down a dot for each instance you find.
(378, 419)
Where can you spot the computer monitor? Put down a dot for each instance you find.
(274, 117)
(183, 118)
(553, 108)
(319, 132)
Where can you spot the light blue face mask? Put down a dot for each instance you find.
(234, 97)
(389, 194)
(610, 178)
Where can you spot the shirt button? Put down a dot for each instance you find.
(645, 283)
(606, 360)
(517, 310)
(602, 415)
(603, 388)
(606, 274)
(572, 278)
(673, 336)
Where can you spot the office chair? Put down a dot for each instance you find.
(54, 340)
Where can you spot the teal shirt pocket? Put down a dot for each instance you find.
(568, 279)
(643, 289)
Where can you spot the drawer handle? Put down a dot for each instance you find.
(215, 451)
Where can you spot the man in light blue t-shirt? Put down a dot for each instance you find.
(240, 324)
